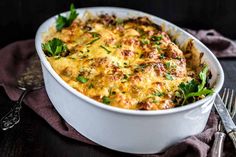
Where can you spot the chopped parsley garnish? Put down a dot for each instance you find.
(94, 40)
(62, 21)
(108, 51)
(169, 77)
(189, 92)
(157, 93)
(119, 21)
(145, 41)
(203, 77)
(156, 38)
(154, 101)
(141, 32)
(82, 79)
(94, 34)
(157, 42)
(91, 86)
(167, 64)
(158, 48)
(125, 78)
(106, 100)
(162, 56)
(54, 47)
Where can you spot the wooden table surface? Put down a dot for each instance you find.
(33, 137)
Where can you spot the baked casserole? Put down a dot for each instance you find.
(127, 63)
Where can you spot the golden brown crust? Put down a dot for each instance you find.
(129, 64)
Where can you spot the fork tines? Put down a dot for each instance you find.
(229, 100)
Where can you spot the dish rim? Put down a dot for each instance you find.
(46, 64)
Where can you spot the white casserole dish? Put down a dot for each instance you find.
(128, 130)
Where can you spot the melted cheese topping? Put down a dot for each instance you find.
(131, 64)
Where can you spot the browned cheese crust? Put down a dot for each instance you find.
(129, 63)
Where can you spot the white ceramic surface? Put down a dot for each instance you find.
(128, 130)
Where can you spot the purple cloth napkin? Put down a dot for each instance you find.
(221, 46)
(15, 57)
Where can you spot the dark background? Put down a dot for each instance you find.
(21, 18)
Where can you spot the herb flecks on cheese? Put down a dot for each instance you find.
(127, 63)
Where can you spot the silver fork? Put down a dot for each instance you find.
(230, 101)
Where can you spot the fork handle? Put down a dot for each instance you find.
(232, 136)
(218, 145)
(13, 116)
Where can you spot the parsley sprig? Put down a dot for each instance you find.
(94, 40)
(103, 47)
(157, 93)
(62, 21)
(168, 76)
(106, 100)
(189, 92)
(95, 34)
(156, 38)
(54, 47)
(82, 79)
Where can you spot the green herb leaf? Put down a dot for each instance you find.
(158, 94)
(106, 100)
(169, 77)
(167, 64)
(95, 34)
(162, 56)
(202, 76)
(145, 41)
(201, 92)
(141, 32)
(54, 47)
(62, 22)
(193, 89)
(156, 38)
(94, 40)
(154, 101)
(91, 86)
(189, 87)
(108, 51)
(119, 21)
(82, 79)
(157, 42)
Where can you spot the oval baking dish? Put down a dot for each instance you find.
(131, 131)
